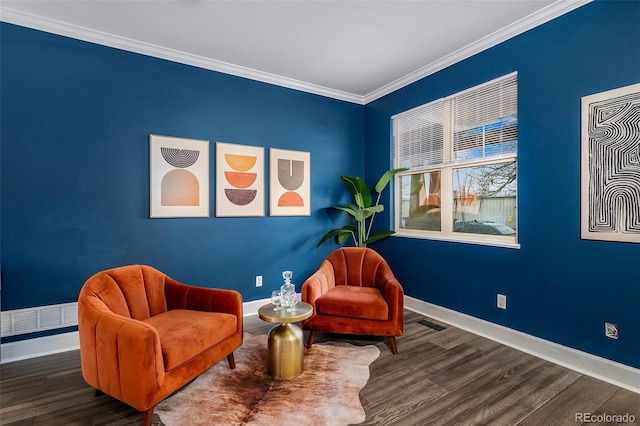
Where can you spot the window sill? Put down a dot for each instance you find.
(422, 236)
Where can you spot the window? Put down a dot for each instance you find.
(462, 156)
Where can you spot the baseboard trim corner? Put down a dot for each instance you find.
(251, 308)
(600, 368)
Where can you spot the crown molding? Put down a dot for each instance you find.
(547, 14)
(53, 26)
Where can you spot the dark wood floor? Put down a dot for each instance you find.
(439, 377)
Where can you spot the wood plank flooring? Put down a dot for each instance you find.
(439, 377)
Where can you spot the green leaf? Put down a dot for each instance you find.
(379, 236)
(353, 212)
(328, 236)
(351, 228)
(351, 182)
(370, 211)
(359, 199)
(367, 214)
(344, 237)
(357, 186)
(375, 209)
(347, 229)
(386, 177)
(352, 206)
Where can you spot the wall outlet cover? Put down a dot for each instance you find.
(502, 301)
(611, 330)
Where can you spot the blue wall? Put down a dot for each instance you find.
(558, 287)
(75, 178)
(76, 119)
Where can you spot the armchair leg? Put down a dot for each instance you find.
(147, 416)
(312, 335)
(394, 347)
(232, 361)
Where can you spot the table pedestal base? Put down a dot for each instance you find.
(285, 352)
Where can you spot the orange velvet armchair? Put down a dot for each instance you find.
(144, 335)
(355, 292)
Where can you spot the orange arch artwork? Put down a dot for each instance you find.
(239, 180)
(290, 199)
(179, 188)
(241, 163)
(290, 183)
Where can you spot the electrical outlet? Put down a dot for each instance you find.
(502, 301)
(258, 280)
(611, 330)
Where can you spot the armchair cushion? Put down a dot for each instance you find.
(185, 334)
(353, 302)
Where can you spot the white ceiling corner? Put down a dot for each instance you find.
(355, 51)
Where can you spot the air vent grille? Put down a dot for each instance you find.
(39, 318)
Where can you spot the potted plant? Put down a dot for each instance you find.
(362, 211)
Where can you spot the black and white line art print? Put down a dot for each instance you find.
(610, 174)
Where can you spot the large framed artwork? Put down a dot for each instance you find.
(179, 177)
(239, 180)
(610, 174)
(290, 183)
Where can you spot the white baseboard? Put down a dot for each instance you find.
(40, 346)
(251, 308)
(600, 368)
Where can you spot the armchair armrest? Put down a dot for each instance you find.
(115, 343)
(139, 348)
(393, 294)
(318, 284)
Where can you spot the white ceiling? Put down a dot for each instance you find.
(354, 50)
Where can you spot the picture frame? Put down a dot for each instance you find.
(610, 169)
(290, 182)
(239, 180)
(179, 177)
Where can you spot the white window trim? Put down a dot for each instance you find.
(446, 168)
(447, 234)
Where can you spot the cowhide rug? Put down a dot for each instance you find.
(326, 393)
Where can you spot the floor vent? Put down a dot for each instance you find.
(430, 324)
(39, 318)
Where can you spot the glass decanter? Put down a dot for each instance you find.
(288, 290)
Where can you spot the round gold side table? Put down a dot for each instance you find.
(285, 345)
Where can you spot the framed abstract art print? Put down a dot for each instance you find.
(179, 177)
(610, 173)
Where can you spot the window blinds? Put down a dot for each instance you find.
(419, 137)
(475, 124)
(485, 120)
